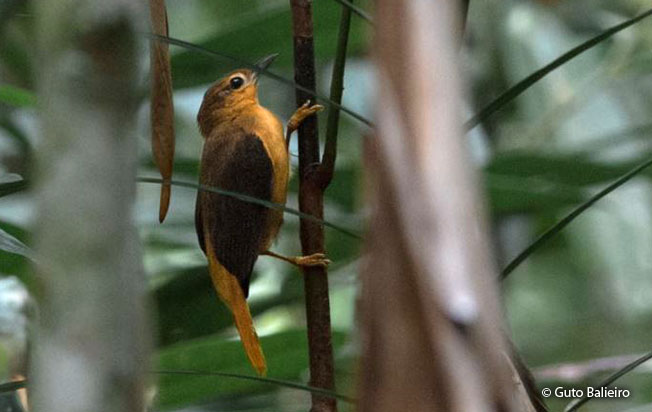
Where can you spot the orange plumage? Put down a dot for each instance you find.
(244, 152)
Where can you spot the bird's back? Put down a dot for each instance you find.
(245, 159)
(237, 228)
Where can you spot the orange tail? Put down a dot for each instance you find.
(231, 294)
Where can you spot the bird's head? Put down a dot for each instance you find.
(230, 95)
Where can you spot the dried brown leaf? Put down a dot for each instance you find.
(162, 108)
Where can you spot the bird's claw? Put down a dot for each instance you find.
(306, 109)
(316, 259)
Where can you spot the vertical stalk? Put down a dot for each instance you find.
(91, 341)
(327, 167)
(311, 201)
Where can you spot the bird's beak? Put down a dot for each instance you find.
(263, 64)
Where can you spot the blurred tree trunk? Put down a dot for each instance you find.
(432, 329)
(91, 342)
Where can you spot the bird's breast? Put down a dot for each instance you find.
(258, 121)
(270, 130)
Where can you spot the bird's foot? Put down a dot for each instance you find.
(316, 259)
(302, 112)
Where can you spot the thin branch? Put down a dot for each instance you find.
(559, 226)
(516, 90)
(611, 379)
(311, 201)
(271, 381)
(20, 384)
(327, 166)
(295, 85)
(20, 185)
(251, 199)
(357, 10)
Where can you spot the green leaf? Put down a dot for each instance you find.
(15, 264)
(286, 355)
(569, 170)
(16, 56)
(11, 184)
(516, 90)
(188, 307)
(558, 227)
(509, 194)
(10, 244)
(15, 96)
(269, 32)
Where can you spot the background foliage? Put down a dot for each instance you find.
(585, 295)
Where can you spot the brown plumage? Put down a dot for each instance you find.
(244, 152)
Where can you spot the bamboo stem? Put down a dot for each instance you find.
(311, 201)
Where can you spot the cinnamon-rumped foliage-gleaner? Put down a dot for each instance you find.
(244, 152)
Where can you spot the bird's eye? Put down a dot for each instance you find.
(236, 82)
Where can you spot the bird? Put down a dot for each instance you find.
(244, 152)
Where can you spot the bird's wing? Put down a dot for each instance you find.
(237, 228)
